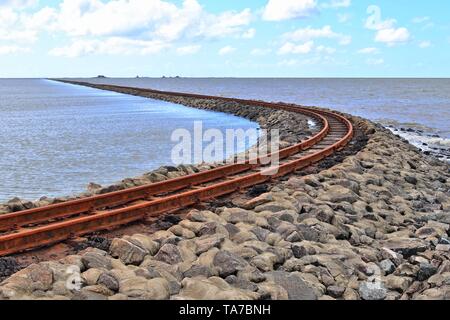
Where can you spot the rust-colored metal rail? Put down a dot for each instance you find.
(100, 220)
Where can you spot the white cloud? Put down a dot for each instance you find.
(226, 50)
(425, 44)
(370, 50)
(19, 26)
(305, 62)
(386, 31)
(337, 4)
(95, 25)
(421, 19)
(375, 62)
(290, 48)
(218, 26)
(19, 4)
(392, 36)
(324, 49)
(187, 50)
(277, 10)
(249, 34)
(309, 33)
(288, 63)
(119, 26)
(110, 46)
(147, 19)
(12, 49)
(94, 17)
(260, 52)
(343, 17)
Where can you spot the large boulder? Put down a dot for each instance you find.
(169, 254)
(128, 251)
(228, 263)
(205, 243)
(338, 194)
(213, 288)
(141, 288)
(96, 259)
(372, 291)
(296, 288)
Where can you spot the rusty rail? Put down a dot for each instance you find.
(59, 231)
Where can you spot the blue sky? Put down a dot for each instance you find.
(233, 38)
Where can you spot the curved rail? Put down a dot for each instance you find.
(100, 220)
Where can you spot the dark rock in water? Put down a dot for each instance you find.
(410, 130)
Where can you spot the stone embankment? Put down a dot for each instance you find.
(293, 127)
(373, 227)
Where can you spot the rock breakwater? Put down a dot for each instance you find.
(374, 226)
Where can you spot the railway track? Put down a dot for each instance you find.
(28, 229)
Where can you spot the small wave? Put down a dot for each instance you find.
(421, 139)
(438, 141)
(435, 145)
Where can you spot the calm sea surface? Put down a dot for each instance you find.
(56, 138)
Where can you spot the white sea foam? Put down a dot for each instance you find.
(424, 142)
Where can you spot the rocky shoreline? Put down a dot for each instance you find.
(373, 225)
